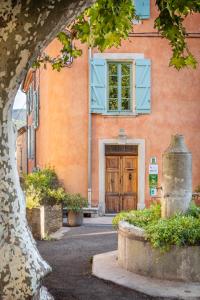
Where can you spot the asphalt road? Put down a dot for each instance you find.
(71, 260)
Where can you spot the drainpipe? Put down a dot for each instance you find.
(89, 138)
(35, 90)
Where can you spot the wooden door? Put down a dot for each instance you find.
(113, 183)
(121, 183)
(129, 182)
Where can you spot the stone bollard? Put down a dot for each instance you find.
(177, 177)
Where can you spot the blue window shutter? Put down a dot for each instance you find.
(143, 85)
(142, 8)
(98, 79)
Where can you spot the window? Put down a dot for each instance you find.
(111, 85)
(31, 142)
(29, 98)
(119, 86)
(36, 109)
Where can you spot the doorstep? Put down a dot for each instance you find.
(91, 212)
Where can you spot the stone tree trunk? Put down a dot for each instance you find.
(26, 27)
(177, 178)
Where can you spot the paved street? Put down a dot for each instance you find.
(71, 259)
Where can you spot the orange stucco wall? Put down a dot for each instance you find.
(62, 137)
(62, 134)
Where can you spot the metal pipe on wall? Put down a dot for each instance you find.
(89, 136)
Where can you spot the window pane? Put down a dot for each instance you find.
(112, 69)
(29, 142)
(113, 104)
(126, 69)
(113, 80)
(113, 92)
(32, 142)
(125, 80)
(125, 104)
(125, 92)
(119, 86)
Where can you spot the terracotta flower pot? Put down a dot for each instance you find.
(75, 218)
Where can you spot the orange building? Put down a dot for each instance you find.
(104, 120)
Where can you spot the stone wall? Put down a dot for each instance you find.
(44, 220)
(34, 220)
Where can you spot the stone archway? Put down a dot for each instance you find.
(26, 27)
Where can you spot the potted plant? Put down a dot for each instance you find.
(74, 204)
(44, 197)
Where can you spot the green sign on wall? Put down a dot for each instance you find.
(153, 177)
(153, 180)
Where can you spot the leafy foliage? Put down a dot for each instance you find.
(193, 211)
(42, 187)
(75, 202)
(170, 24)
(179, 230)
(104, 25)
(107, 22)
(140, 218)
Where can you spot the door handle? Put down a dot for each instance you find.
(130, 176)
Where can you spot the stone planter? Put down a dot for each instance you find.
(136, 255)
(44, 220)
(75, 218)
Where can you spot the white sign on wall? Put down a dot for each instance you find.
(153, 169)
(153, 177)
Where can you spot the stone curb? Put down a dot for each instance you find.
(105, 267)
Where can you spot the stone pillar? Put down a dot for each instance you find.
(177, 177)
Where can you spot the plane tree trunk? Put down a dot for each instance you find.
(26, 27)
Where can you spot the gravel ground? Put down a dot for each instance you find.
(71, 260)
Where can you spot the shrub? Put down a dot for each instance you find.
(41, 180)
(139, 218)
(42, 187)
(75, 202)
(179, 230)
(193, 211)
